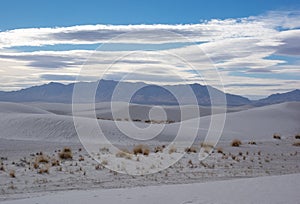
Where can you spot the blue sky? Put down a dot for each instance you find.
(254, 45)
(51, 13)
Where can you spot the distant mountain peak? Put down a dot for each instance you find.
(150, 94)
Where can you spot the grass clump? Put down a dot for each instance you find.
(297, 136)
(220, 150)
(276, 136)
(158, 149)
(172, 150)
(44, 170)
(124, 153)
(42, 158)
(12, 173)
(190, 150)
(141, 149)
(252, 143)
(297, 144)
(236, 143)
(66, 153)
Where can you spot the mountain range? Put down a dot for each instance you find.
(146, 94)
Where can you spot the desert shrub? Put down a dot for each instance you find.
(236, 143)
(55, 162)
(297, 144)
(98, 167)
(81, 158)
(35, 165)
(66, 153)
(158, 149)
(141, 149)
(206, 144)
(146, 151)
(276, 136)
(42, 158)
(252, 143)
(220, 150)
(172, 150)
(136, 120)
(190, 150)
(44, 169)
(2, 167)
(124, 153)
(12, 173)
(297, 136)
(104, 162)
(104, 150)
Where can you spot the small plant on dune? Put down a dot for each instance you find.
(276, 136)
(81, 158)
(44, 169)
(66, 153)
(104, 162)
(172, 150)
(297, 136)
(146, 151)
(236, 143)
(207, 144)
(42, 158)
(98, 167)
(190, 150)
(124, 153)
(141, 149)
(2, 167)
(12, 173)
(55, 162)
(252, 143)
(158, 149)
(104, 150)
(297, 144)
(220, 150)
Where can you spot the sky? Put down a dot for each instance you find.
(250, 48)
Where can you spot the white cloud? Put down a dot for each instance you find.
(232, 44)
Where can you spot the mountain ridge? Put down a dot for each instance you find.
(147, 94)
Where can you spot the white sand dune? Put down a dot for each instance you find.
(19, 121)
(272, 189)
(103, 110)
(8, 107)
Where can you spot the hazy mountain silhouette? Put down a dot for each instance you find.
(146, 94)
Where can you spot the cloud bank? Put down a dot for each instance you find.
(254, 55)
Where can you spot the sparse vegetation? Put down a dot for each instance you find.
(41, 158)
(236, 143)
(124, 153)
(252, 143)
(44, 169)
(66, 153)
(141, 149)
(104, 162)
(55, 162)
(81, 158)
(220, 150)
(190, 150)
(172, 150)
(158, 149)
(297, 136)
(277, 136)
(207, 144)
(297, 144)
(104, 150)
(12, 173)
(2, 167)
